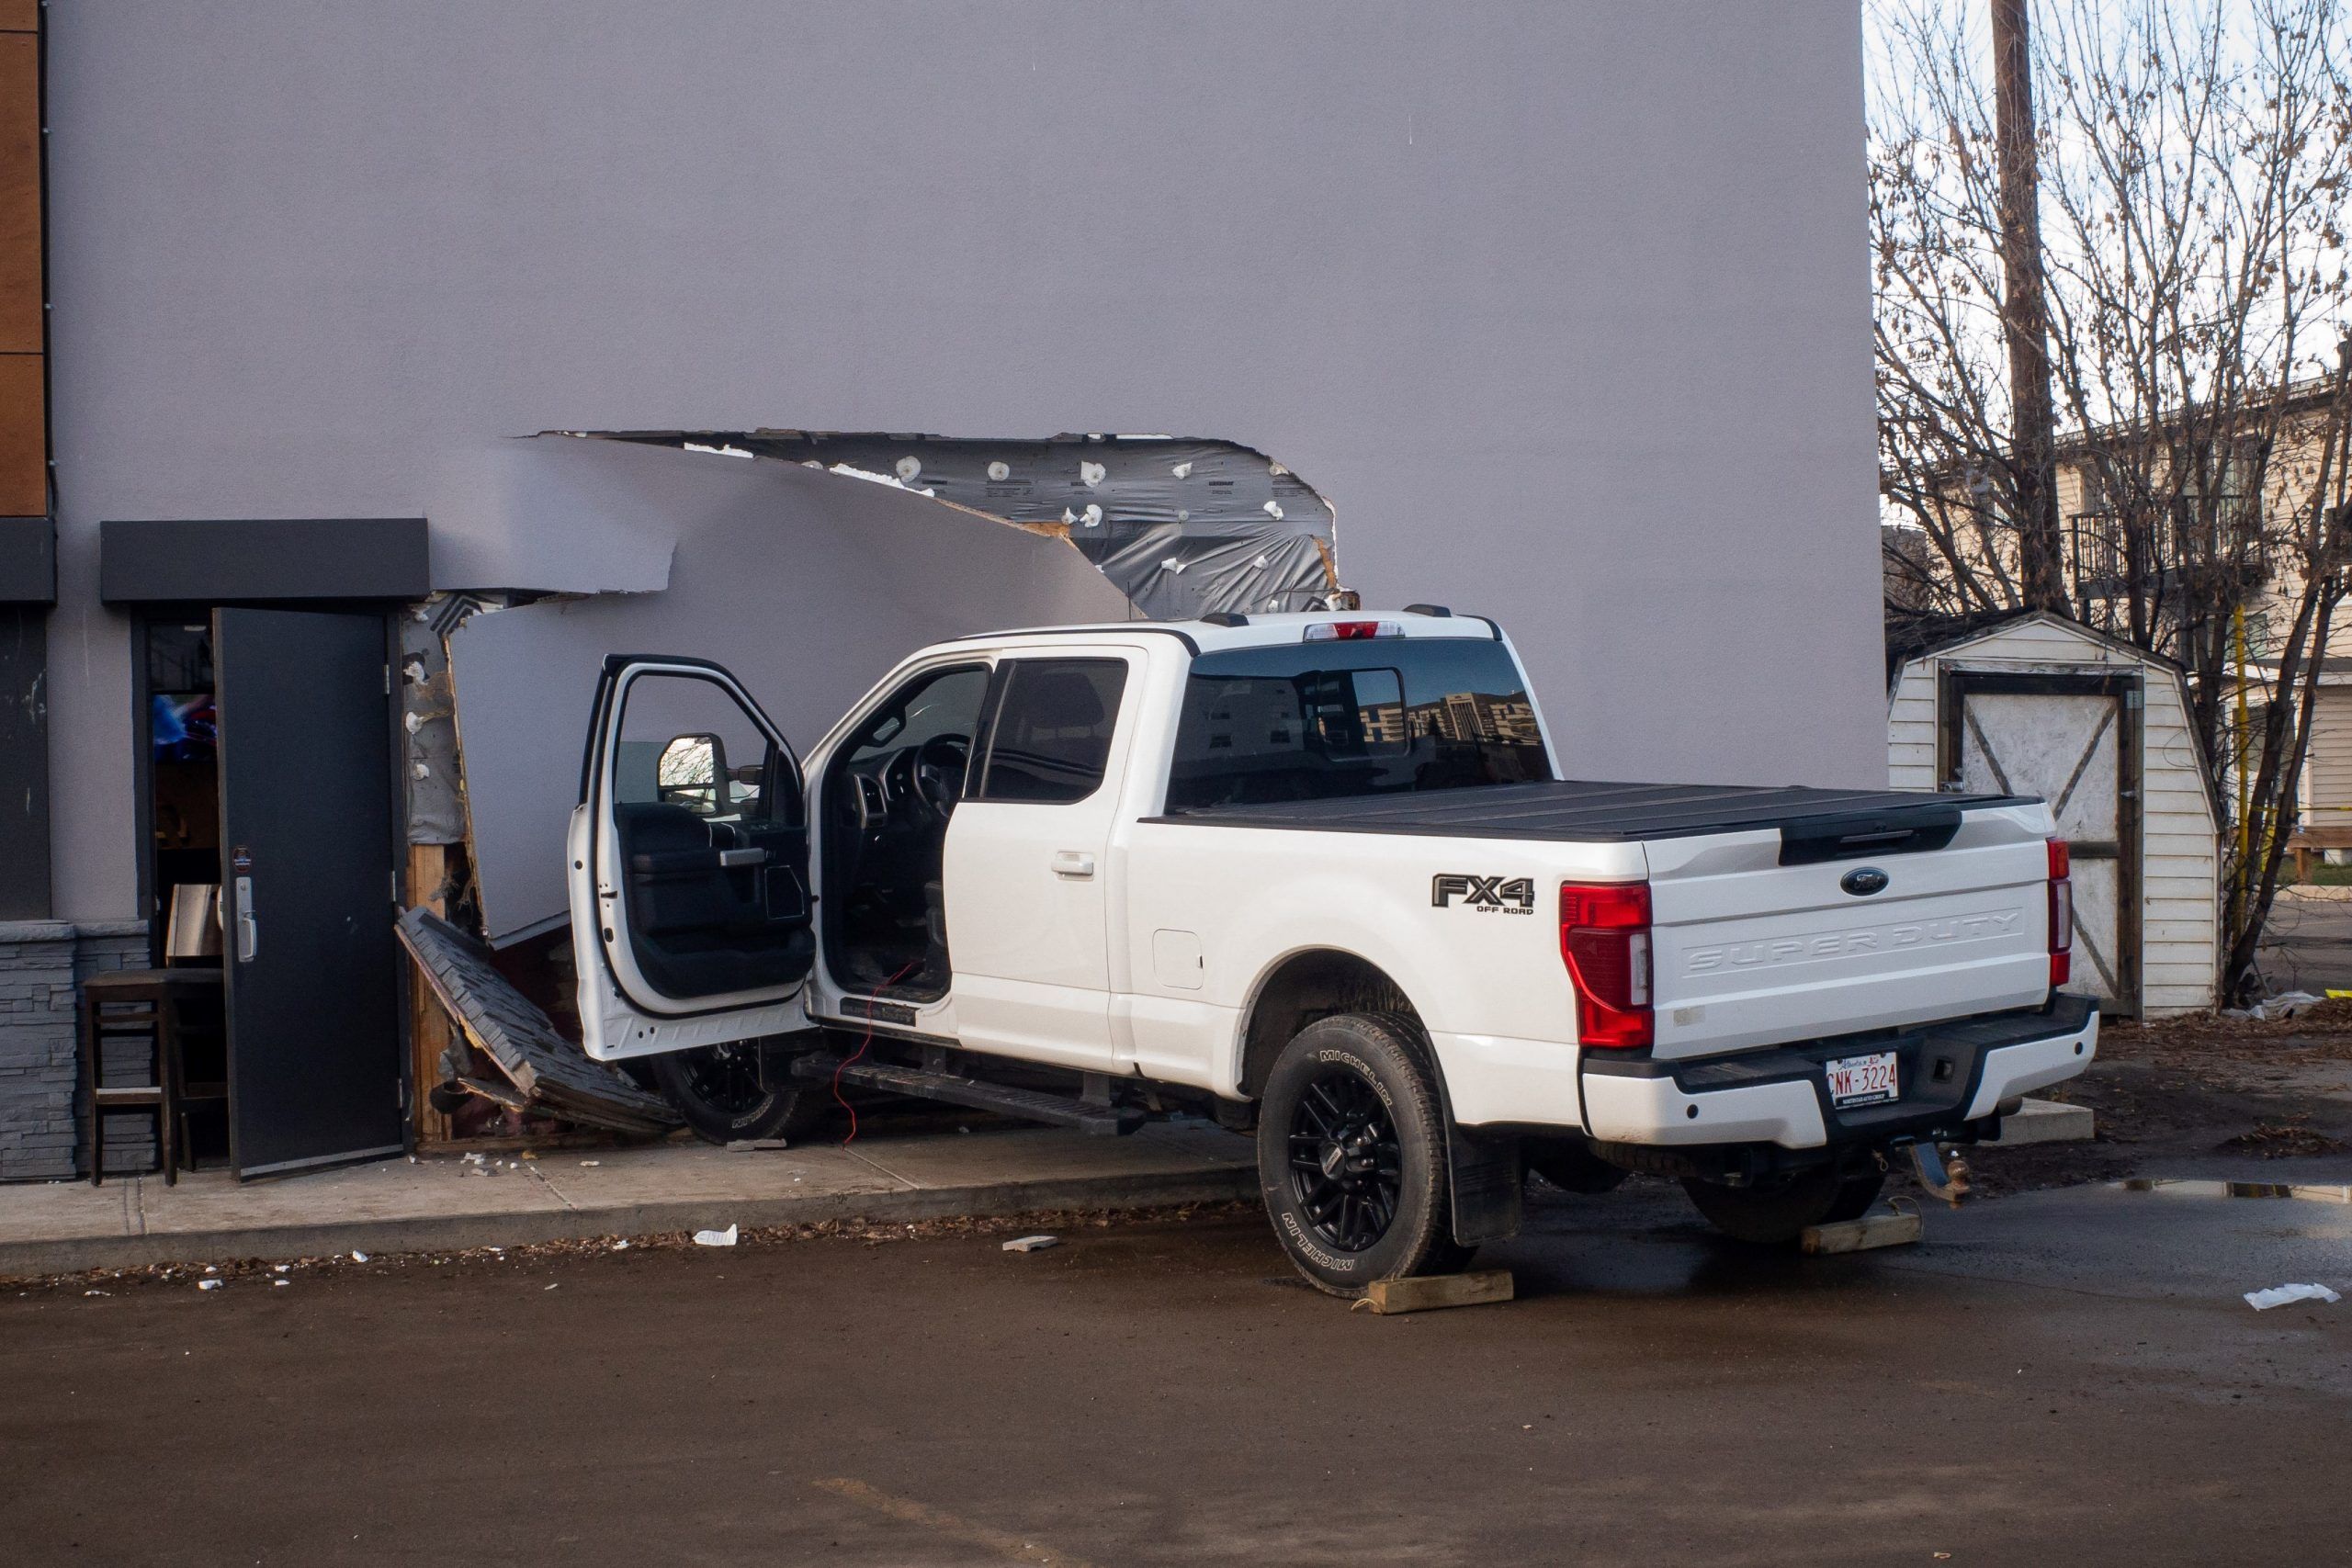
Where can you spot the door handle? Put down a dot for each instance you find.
(1077, 864)
(248, 927)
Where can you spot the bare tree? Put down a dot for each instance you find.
(2192, 159)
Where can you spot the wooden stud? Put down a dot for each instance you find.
(428, 872)
(1428, 1292)
(1861, 1235)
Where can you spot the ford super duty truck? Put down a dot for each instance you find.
(1329, 876)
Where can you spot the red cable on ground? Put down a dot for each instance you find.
(853, 1056)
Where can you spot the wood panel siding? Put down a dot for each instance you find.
(2181, 847)
(24, 412)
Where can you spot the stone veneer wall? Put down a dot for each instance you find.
(42, 964)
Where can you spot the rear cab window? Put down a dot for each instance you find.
(1325, 720)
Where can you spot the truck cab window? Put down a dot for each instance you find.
(1325, 721)
(1049, 737)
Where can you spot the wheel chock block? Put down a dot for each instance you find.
(1862, 1234)
(1428, 1292)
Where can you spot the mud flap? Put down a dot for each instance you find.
(1486, 1182)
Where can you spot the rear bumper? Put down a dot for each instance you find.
(1948, 1074)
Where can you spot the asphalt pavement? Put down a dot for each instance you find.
(2065, 1376)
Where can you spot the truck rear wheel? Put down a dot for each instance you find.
(1352, 1155)
(1774, 1213)
(725, 1097)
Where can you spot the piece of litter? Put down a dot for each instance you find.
(589, 1162)
(715, 1238)
(1032, 1243)
(89, 1293)
(360, 1258)
(208, 1284)
(550, 1286)
(620, 1246)
(2283, 1295)
(281, 1281)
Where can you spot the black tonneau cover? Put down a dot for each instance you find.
(1814, 824)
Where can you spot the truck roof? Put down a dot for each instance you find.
(1264, 631)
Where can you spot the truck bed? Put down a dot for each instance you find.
(1589, 811)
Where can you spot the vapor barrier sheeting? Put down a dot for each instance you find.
(1182, 526)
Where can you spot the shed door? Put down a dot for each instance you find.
(2073, 740)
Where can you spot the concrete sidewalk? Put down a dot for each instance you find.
(447, 1202)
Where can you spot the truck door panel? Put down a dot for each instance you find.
(1028, 862)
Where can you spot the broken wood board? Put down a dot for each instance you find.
(1861, 1235)
(549, 1072)
(1428, 1292)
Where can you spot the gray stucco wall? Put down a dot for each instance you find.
(1564, 306)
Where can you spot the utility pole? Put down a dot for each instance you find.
(2025, 316)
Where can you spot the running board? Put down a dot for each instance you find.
(1100, 1120)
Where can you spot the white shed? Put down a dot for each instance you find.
(2037, 704)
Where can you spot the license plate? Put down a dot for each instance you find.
(1862, 1080)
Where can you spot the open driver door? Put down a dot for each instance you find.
(692, 922)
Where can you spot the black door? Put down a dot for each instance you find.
(306, 865)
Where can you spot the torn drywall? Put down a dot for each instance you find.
(809, 588)
(1182, 526)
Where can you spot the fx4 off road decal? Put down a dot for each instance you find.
(1487, 895)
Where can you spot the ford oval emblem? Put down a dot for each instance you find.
(1863, 881)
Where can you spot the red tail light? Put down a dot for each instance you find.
(2062, 914)
(1350, 631)
(1605, 938)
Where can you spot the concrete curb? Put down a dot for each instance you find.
(72, 1255)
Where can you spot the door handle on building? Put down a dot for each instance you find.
(1075, 865)
(248, 927)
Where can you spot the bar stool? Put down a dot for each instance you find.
(152, 1004)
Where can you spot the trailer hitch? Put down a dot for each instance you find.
(1946, 1179)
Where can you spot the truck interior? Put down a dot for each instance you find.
(708, 818)
(889, 792)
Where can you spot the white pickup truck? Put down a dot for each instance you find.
(1325, 875)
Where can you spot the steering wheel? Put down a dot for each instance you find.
(939, 766)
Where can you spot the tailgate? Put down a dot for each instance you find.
(1765, 936)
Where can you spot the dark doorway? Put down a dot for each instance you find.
(306, 846)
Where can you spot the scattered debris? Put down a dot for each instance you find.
(715, 1238)
(281, 1281)
(1032, 1242)
(208, 1284)
(621, 1246)
(360, 1258)
(545, 1071)
(2287, 1004)
(2285, 1295)
(585, 1163)
(748, 1145)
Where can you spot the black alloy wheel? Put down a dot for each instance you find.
(1352, 1154)
(726, 1098)
(1347, 1168)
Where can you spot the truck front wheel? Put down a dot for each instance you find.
(728, 1095)
(1780, 1209)
(1352, 1155)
